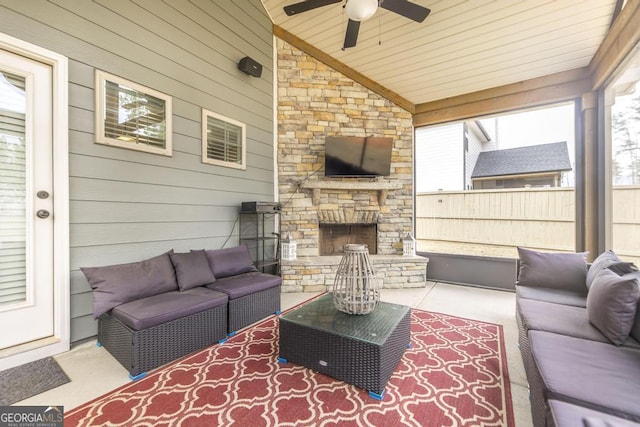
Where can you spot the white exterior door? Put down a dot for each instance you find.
(26, 201)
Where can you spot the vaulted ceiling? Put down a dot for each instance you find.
(463, 46)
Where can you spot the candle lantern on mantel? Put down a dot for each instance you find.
(289, 248)
(408, 245)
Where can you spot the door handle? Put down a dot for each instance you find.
(42, 213)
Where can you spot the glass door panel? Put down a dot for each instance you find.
(13, 230)
(26, 195)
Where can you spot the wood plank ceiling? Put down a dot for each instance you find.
(463, 46)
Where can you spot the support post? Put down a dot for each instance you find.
(590, 159)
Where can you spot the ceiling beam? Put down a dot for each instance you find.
(621, 39)
(341, 67)
(623, 36)
(540, 91)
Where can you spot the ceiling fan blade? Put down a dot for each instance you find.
(351, 36)
(407, 9)
(303, 6)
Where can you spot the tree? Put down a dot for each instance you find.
(625, 129)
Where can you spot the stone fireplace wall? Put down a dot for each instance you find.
(315, 101)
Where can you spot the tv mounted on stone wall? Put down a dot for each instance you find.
(352, 156)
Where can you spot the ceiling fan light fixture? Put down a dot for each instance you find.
(360, 10)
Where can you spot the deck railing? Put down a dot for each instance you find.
(495, 222)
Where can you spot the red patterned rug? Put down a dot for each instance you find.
(454, 374)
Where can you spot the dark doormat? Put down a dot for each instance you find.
(27, 380)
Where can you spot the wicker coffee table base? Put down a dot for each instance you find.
(363, 364)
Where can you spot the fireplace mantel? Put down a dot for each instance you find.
(381, 187)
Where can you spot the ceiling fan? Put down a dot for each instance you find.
(361, 10)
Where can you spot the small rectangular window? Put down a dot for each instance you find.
(132, 116)
(223, 141)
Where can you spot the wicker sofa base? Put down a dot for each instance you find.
(250, 308)
(141, 351)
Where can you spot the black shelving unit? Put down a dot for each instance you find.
(260, 230)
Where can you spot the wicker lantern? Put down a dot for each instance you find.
(356, 290)
(408, 245)
(289, 248)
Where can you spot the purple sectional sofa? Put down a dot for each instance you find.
(579, 337)
(157, 310)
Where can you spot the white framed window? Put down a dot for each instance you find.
(132, 116)
(223, 141)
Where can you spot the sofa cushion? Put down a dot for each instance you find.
(117, 284)
(612, 304)
(155, 310)
(559, 319)
(563, 414)
(604, 260)
(192, 269)
(576, 298)
(230, 261)
(247, 283)
(578, 371)
(552, 270)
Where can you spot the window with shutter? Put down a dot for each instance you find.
(223, 141)
(13, 231)
(131, 116)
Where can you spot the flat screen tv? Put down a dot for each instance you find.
(357, 156)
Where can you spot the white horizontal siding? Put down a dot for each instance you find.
(439, 158)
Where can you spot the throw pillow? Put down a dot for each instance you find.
(620, 269)
(604, 260)
(612, 304)
(230, 261)
(566, 271)
(116, 284)
(192, 269)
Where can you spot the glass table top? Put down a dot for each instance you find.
(374, 327)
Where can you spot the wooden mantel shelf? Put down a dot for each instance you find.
(381, 187)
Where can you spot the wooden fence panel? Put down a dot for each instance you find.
(626, 221)
(495, 222)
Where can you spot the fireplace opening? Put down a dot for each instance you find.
(333, 237)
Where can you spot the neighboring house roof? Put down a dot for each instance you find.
(523, 160)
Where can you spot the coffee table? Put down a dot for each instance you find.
(363, 350)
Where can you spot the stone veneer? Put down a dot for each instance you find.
(316, 101)
(311, 274)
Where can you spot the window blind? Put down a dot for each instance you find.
(12, 190)
(224, 141)
(133, 116)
